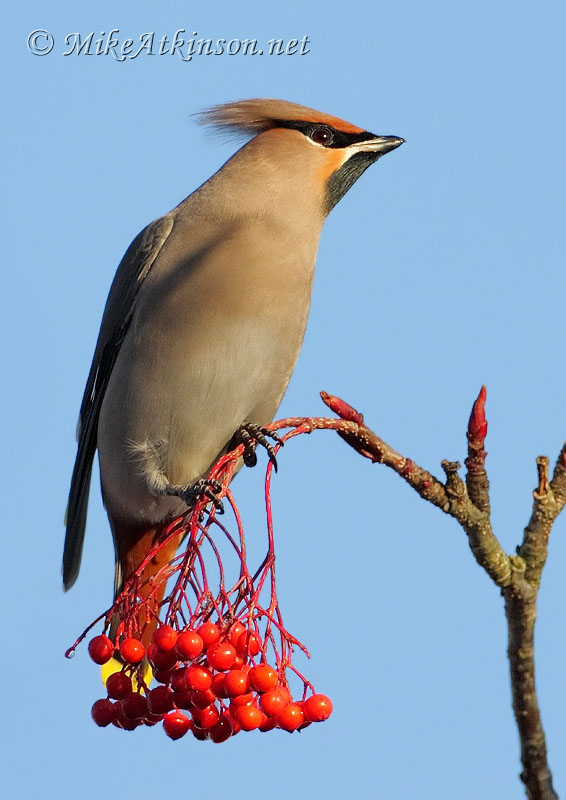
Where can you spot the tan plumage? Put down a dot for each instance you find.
(205, 319)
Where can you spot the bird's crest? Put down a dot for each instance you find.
(250, 117)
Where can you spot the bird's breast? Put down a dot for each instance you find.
(212, 344)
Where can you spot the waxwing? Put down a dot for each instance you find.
(205, 319)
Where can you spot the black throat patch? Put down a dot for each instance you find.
(345, 177)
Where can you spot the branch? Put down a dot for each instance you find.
(518, 576)
(451, 497)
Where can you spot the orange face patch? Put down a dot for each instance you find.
(333, 161)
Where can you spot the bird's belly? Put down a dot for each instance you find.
(176, 398)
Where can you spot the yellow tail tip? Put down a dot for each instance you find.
(114, 665)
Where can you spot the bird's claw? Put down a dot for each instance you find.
(196, 491)
(250, 435)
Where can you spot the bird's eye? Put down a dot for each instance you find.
(322, 134)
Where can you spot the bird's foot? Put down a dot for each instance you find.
(196, 491)
(250, 435)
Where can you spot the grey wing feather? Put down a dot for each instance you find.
(134, 267)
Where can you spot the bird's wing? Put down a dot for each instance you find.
(133, 269)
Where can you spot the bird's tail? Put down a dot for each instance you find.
(133, 545)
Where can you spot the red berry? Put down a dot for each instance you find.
(165, 637)
(222, 730)
(160, 700)
(126, 724)
(268, 724)
(162, 676)
(235, 632)
(203, 699)
(189, 645)
(199, 733)
(104, 712)
(118, 685)
(209, 633)
(162, 660)
(206, 717)
(243, 699)
(152, 719)
(134, 706)
(218, 685)
(236, 682)
(100, 649)
(317, 708)
(249, 717)
(132, 651)
(176, 724)
(198, 678)
(221, 656)
(178, 680)
(248, 644)
(183, 699)
(263, 677)
(274, 701)
(291, 717)
(236, 727)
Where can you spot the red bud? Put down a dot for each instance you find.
(343, 409)
(477, 426)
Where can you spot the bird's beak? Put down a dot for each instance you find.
(379, 145)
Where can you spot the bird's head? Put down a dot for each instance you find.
(314, 153)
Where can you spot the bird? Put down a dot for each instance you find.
(204, 322)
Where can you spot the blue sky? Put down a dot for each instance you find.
(442, 269)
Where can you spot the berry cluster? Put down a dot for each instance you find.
(221, 653)
(209, 684)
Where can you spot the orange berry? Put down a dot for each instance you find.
(317, 708)
(189, 645)
(221, 656)
(209, 633)
(249, 717)
(274, 701)
(235, 632)
(132, 651)
(242, 699)
(236, 682)
(291, 717)
(268, 724)
(198, 678)
(248, 644)
(263, 677)
(165, 637)
(218, 685)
